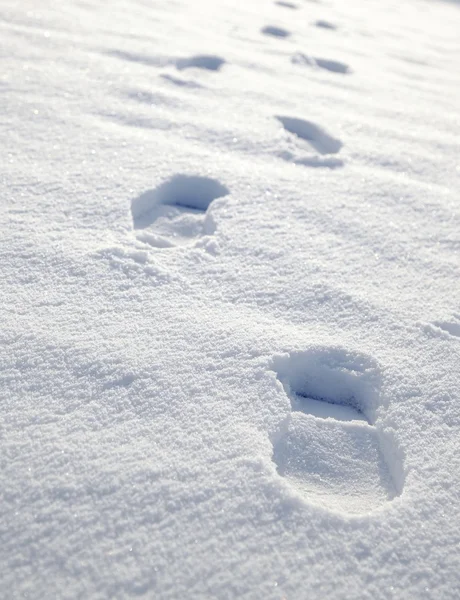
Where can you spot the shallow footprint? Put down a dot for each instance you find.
(180, 82)
(325, 24)
(144, 59)
(334, 66)
(286, 4)
(174, 213)
(318, 138)
(209, 62)
(275, 31)
(331, 451)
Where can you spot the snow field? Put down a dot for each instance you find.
(230, 317)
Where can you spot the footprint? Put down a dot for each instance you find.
(201, 61)
(330, 451)
(317, 137)
(174, 213)
(325, 24)
(286, 4)
(180, 82)
(143, 59)
(445, 328)
(452, 329)
(334, 66)
(275, 31)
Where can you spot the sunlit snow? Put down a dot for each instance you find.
(230, 299)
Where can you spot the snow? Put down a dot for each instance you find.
(230, 299)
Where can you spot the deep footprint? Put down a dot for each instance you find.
(452, 329)
(331, 451)
(317, 137)
(275, 31)
(446, 328)
(174, 213)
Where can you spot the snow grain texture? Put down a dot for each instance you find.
(229, 257)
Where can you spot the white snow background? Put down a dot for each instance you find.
(230, 301)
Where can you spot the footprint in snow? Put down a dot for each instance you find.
(209, 62)
(325, 24)
(334, 66)
(317, 137)
(322, 143)
(175, 212)
(330, 450)
(143, 59)
(180, 82)
(446, 329)
(286, 4)
(275, 31)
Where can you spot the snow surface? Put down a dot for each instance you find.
(230, 297)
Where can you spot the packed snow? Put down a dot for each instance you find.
(230, 299)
